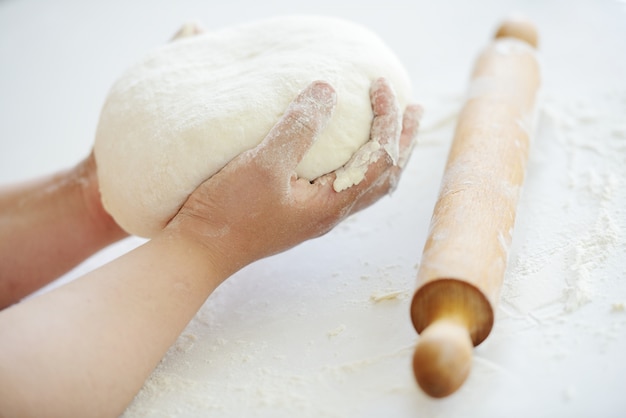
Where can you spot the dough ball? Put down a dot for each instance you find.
(188, 108)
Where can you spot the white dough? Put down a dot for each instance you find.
(188, 108)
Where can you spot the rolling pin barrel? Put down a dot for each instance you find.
(465, 255)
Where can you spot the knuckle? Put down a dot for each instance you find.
(302, 122)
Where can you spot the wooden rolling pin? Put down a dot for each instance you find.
(466, 252)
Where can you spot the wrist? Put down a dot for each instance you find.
(215, 247)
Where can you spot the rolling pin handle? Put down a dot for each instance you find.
(443, 357)
(520, 28)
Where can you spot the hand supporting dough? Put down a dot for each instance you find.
(186, 109)
(257, 206)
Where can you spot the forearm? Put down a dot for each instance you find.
(47, 227)
(86, 348)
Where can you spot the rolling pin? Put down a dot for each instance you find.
(466, 252)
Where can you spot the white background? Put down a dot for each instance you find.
(301, 334)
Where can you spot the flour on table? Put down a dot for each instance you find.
(188, 108)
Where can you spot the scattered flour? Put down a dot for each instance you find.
(618, 307)
(588, 254)
(336, 331)
(588, 163)
(391, 295)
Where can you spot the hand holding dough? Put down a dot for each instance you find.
(257, 205)
(187, 109)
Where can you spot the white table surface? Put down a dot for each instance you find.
(302, 333)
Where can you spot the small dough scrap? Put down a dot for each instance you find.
(183, 112)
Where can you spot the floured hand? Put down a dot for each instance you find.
(256, 205)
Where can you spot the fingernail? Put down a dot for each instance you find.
(378, 83)
(323, 93)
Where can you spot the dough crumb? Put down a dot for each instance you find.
(185, 342)
(396, 294)
(354, 170)
(335, 332)
(618, 307)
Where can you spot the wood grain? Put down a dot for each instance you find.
(466, 253)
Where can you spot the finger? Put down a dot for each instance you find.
(386, 126)
(382, 176)
(387, 177)
(378, 176)
(377, 173)
(288, 141)
(410, 126)
(384, 137)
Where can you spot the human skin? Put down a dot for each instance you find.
(86, 348)
(48, 226)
